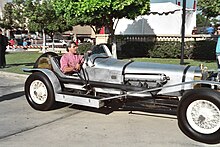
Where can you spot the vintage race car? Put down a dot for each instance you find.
(103, 78)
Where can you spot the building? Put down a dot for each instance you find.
(2, 4)
(83, 33)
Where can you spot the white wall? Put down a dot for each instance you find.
(158, 24)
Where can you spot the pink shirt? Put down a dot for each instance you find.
(70, 60)
(12, 42)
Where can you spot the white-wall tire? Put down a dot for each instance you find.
(39, 92)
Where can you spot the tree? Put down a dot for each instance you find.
(34, 15)
(209, 8)
(19, 13)
(100, 13)
(201, 20)
(7, 20)
(41, 16)
(13, 17)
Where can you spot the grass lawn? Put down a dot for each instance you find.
(18, 60)
(15, 61)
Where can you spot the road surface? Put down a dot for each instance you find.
(75, 126)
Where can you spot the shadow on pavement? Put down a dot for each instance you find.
(11, 96)
(104, 110)
(131, 106)
(60, 105)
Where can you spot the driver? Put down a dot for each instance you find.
(71, 62)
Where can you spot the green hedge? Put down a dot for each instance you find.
(84, 47)
(204, 50)
(165, 50)
(169, 49)
(136, 49)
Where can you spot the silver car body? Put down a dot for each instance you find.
(126, 78)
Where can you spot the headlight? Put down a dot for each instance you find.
(198, 74)
(204, 71)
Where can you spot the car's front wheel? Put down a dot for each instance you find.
(199, 115)
(39, 92)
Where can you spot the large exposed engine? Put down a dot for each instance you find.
(147, 80)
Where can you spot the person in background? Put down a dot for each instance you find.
(3, 44)
(218, 56)
(194, 31)
(218, 30)
(12, 43)
(71, 61)
(25, 44)
(210, 30)
(29, 40)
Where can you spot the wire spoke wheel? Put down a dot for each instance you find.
(203, 116)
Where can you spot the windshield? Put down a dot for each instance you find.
(101, 49)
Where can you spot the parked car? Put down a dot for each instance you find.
(56, 43)
(103, 79)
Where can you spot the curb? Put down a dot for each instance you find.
(9, 74)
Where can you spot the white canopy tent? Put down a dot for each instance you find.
(163, 19)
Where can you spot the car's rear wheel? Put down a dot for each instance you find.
(199, 115)
(39, 92)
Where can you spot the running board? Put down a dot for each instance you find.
(79, 100)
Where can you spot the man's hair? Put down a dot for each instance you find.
(71, 42)
(0, 30)
(69, 45)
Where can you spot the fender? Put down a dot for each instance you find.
(50, 75)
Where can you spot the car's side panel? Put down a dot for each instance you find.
(51, 76)
(107, 70)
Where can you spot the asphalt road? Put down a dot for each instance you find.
(75, 126)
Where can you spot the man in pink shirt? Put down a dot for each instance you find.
(70, 62)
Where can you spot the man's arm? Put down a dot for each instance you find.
(66, 68)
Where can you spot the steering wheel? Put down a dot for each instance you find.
(86, 57)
